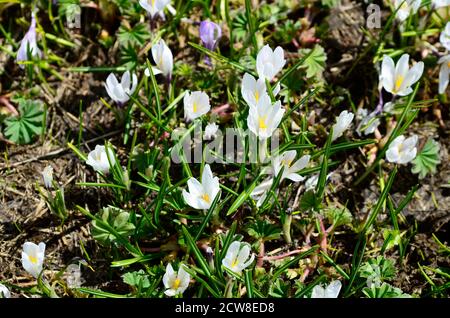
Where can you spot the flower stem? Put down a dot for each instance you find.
(262, 149)
(287, 229)
(229, 288)
(260, 258)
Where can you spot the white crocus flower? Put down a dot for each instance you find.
(342, 123)
(368, 122)
(154, 7)
(120, 92)
(259, 193)
(98, 159)
(175, 282)
(4, 292)
(33, 258)
(264, 118)
(196, 104)
(330, 291)
(406, 7)
(211, 131)
(402, 150)
(398, 79)
(47, 175)
(290, 170)
(444, 73)
(237, 255)
(163, 57)
(269, 63)
(252, 90)
(311, 182)
(201, 195)
(444, 38)
(440, 3)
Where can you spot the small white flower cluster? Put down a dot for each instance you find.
(264, 116)
(397, 79)
(398, 82)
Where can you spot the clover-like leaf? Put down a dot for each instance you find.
(136, 279)
(23, 128)
(264, 230)
(315, 62)
(427, 160)
(136, 35)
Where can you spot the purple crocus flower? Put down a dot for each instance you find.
(210, 34)
(29, 43)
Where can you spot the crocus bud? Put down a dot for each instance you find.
(342, 123)
(163, 57)
(29, 44)
(210, 34)
(47, 176)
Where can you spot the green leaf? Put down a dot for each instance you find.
(392, 238)
(263, 229)
(137, 35)
(279, 289)
(427, 160)
(384, 291)
(136, 279)
(198, 255)
(377, 270)
(116, 218)
(315, 62)
(243, 196)
(308, 201)
(23, 128)
(338, 216)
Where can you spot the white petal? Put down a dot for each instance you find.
(388, 73)
(295, 177)
(333, 289)
(443, 78)
(318, 292)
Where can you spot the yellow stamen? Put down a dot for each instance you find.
(176, 283)
(194, 107)
(256, 96)
(33, 259)
(262, 123)
(398, 82)
(153, 3)
(205, 197)
(286, 162)
(448, 64)
(234, 263)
